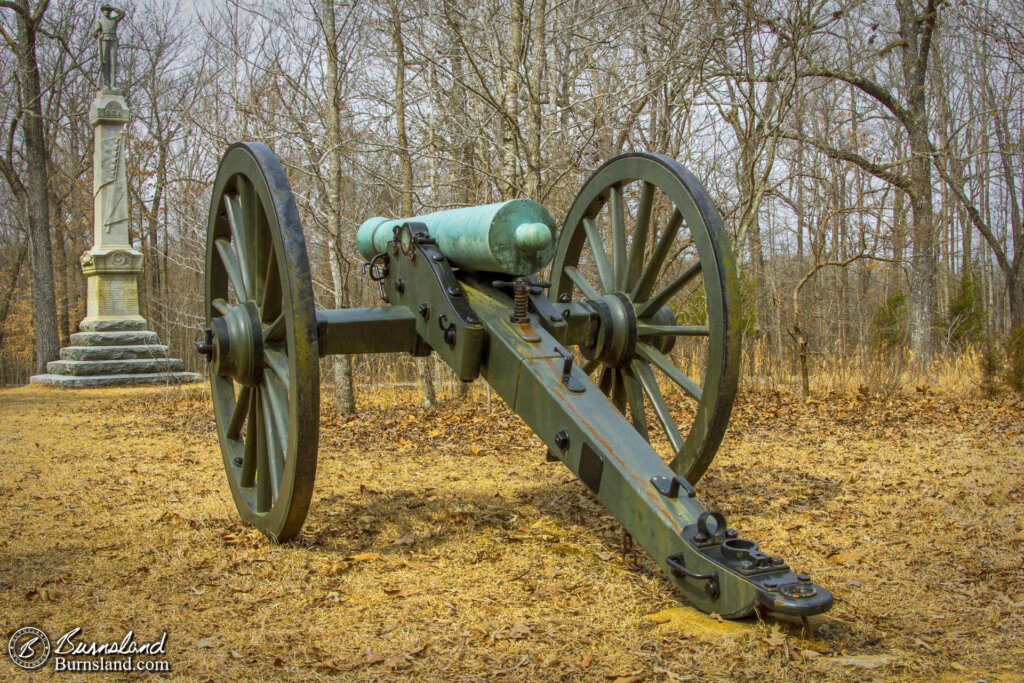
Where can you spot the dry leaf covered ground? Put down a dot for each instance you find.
(441, 546)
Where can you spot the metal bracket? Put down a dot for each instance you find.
(676, 564)
(591, 467)
(379, 273)
(669, 486)
(448, 284)
(570, 382)
(448, 328)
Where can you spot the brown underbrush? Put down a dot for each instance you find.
(441, 545)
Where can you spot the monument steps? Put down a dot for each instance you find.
(114, 338)
(70, 381)
(113, 352)
(132, 366)
(113, 325)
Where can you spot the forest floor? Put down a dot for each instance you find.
(441, 546)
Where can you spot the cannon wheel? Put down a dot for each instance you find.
(676, 262)
(264, 373)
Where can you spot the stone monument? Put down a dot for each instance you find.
(114, 346)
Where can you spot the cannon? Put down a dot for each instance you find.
(624, 360)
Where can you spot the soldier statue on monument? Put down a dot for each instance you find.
(106, 30)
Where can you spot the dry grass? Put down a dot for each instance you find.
(441, 546)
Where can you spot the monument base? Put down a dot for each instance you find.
(114, 351)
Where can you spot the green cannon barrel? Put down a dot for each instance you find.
(516, 237)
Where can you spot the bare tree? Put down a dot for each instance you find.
(35, 192)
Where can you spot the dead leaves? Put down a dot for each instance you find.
(397, 662)
(849, 557)
(517, 632)
(365, 557)
(42, 594)
(239, 536)
(408, 539)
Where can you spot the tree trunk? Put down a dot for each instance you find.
(152, 262)
(509, 189)
(923, 258)
(1015, 292)
(43, 299)
(344, 396)
(61, 277)
(423, 365)
(10, 285)
(537, 61)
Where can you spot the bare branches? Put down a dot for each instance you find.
(882, 171)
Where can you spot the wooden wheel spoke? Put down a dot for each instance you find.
(643, 287)
(604, 269)
(275, 331)
(651, 306)
(240, 238)
(264, 490)
(277, 398)
(660, 361)
(640, 230)
(645, 330)
(239, 413)
(277, 362)
(270, 293)
(618, 391)
(635, 398)
(585, 287)
(263, 253)
(276, 436)
(645, 375)
(617, 207)
(248, 474)
(232, 267)
(221, 306)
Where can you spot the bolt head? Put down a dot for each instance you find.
(237, 462)
(700, 538)
(746, 565)
(803, 577)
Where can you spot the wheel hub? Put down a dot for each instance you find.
(238, 344)
(616, 333)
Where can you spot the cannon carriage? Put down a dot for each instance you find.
(640, 270)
